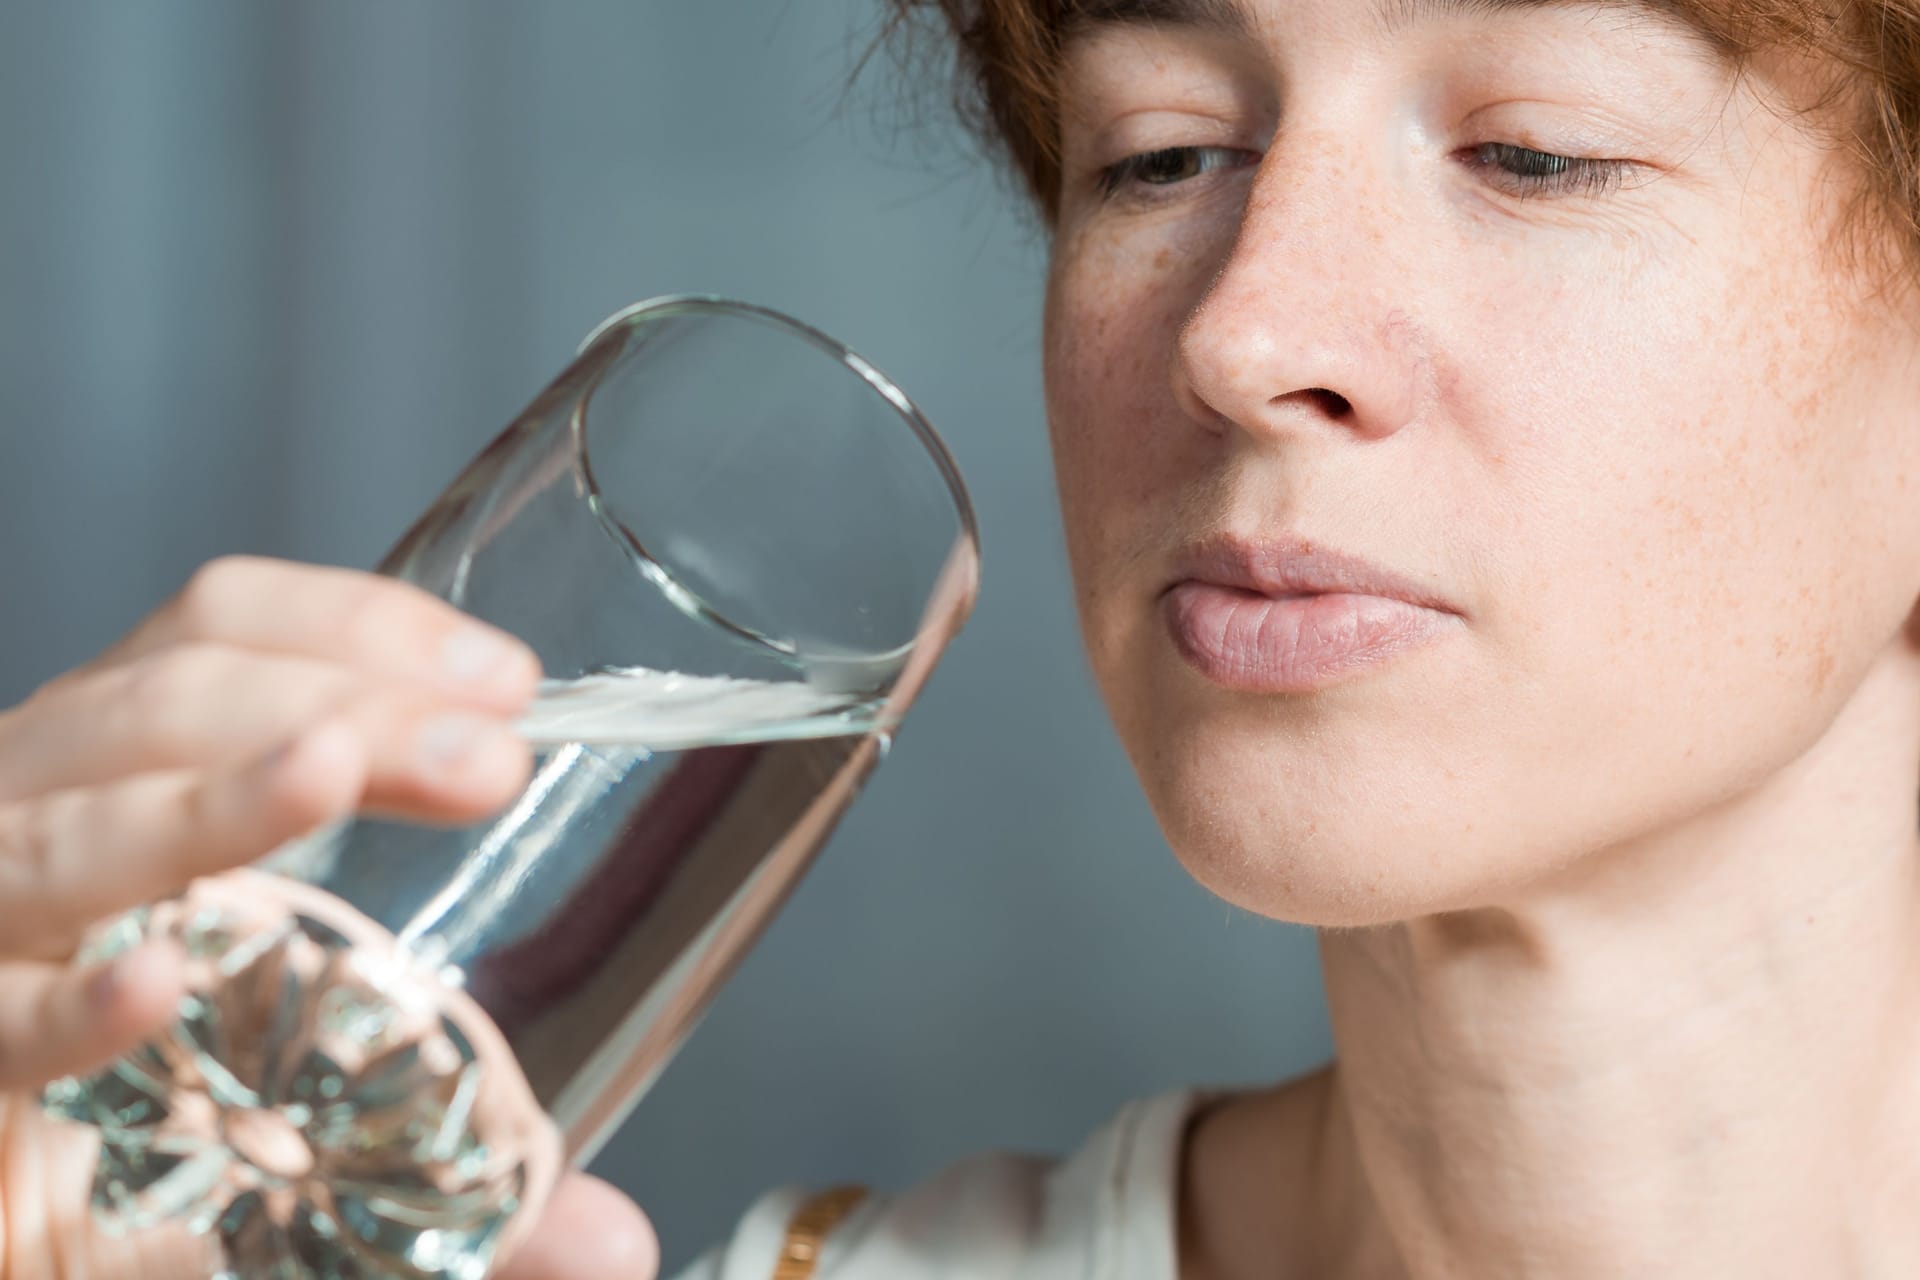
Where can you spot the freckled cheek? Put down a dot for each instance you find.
(1571, 413)
(1111, 325)
(1684, 472)
(1817, 477)
(1110, 404)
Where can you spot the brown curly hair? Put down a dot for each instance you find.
(1008, 50)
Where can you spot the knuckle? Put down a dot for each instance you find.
(33, 850)
(197, 813)
(379, 617)
(213, 592)
(158, 686)
(291, 807)
(382, 718)
(362, 706)
(277, 809)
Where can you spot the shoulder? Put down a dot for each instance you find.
(993, 1216)
(976, 1213)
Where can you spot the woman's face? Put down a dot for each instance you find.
(1515, 344)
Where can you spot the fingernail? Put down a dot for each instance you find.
(450, 743)
(476, 655)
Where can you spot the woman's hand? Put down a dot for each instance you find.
(265, 699)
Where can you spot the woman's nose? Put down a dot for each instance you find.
(1308, 327)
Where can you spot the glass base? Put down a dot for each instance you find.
(330, 1108)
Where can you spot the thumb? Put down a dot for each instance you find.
(588, 1232)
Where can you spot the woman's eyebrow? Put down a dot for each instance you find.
(1395, 14)
(1226, 16)
(1231, 17)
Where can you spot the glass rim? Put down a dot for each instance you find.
(668, 305)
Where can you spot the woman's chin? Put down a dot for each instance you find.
(1327, 868)
(1377, 804)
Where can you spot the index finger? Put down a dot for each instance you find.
(377, 625)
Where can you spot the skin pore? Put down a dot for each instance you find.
(1540, 307)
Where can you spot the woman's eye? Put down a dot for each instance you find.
(1168, 167)
(1527, 172)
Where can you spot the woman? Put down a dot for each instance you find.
(1487, 446)
(1483, 433)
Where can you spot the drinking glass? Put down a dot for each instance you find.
(738, 550)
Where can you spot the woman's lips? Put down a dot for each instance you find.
(1262, 643)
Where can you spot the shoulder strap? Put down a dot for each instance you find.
(808, 1228)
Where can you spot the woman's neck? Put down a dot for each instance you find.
(1699, 1055)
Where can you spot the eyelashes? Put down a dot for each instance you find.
(1169, 166)
(1528, 172)
(1519, 171)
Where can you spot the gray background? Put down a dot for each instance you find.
(270, 273)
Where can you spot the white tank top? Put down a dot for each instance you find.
(1107, 1212)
